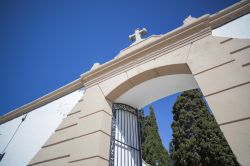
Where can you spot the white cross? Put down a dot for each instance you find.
(136, 37)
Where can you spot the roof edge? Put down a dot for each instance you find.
(62, 91)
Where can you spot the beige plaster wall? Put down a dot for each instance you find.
(218, 67)
(83, 138)
(215, 65)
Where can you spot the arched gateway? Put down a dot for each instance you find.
(192, 56)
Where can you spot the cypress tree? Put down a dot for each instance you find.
(152, 147)
(197, 138)
(142, 122)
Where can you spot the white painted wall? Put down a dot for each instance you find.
(157, 88)
(34, 131)
(144, 163)
(126, 132)
(238, 28)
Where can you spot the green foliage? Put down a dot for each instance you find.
(152, 147)
(197, 139)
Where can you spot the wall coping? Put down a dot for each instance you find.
(174, 39)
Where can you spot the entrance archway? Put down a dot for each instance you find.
(147, 88)
(190, 57)
(156, 88)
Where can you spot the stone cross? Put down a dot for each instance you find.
(136, 37)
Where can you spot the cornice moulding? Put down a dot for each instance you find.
(204, 22)
(165, 40)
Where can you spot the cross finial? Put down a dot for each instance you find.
(136, 37)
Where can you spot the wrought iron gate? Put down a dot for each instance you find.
(125, 145)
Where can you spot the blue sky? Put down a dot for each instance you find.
(45, 44)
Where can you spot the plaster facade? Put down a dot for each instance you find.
(219, 66)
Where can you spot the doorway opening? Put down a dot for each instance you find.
(147, 91)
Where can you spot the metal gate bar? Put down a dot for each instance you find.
(125, 146)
